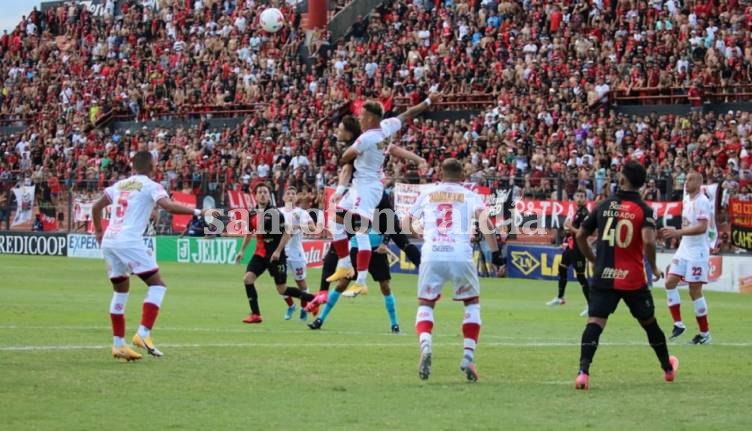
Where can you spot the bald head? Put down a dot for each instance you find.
(693, 182)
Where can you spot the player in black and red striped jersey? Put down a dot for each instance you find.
(268, 225)
(571, 255)
(626, 235)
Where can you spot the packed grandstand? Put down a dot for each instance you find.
(533, 90)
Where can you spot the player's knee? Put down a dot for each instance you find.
(563, 271)
(471, 301)
(646, 321)
(360, 224)
(249, 278)
(152, 278)
(120, 284)
(385, 289)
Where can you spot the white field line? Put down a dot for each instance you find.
(399, 341)
(65, 347)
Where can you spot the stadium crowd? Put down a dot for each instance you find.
(550, 65)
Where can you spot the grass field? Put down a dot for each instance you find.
(57, 372)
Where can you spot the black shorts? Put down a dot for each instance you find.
(603, 302)
(379, 266)
(573, 256)
(277, 269)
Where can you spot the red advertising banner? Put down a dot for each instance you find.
(239, 199)
(741, 223)
(179, 222)
(315, 250)
(550, 207)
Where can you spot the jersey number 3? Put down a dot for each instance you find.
(613, 234)
(444, 216)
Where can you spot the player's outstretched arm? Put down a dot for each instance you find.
(96, 216)
(397, 151)
(698, 228)
(173, 207)
(420, 107)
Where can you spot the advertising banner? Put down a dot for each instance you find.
(86, 247)
(537, 262)
(315, 250)
(33, 243)
(740, 213)
(220, 250)
(202, 250)
(522, 212)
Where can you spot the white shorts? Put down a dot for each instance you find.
(298, 268)
(462, 274)
(691, 271)
(362, 199)
(123, 261)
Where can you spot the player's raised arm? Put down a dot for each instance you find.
(420, 107)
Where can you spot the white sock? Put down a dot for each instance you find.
(425, 342)
(472, 315)
(424, 314)
(155, 295)
(672, 297)
(117, 306)
(345, 263)
(701, 307)
(362, 277)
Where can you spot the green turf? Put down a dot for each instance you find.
(217, 373)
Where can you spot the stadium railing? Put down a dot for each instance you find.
(679, 95)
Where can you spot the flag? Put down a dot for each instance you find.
(25, 200)
(180, 221)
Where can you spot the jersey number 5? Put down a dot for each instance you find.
(613, 234)
(444, 217)
(122, 204)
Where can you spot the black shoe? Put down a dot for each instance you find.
(678, 330)
(701, 339)
(316, 324)
(395, 329)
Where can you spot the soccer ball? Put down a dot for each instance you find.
(271, 20)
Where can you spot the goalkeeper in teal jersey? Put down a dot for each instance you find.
(379, 270)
